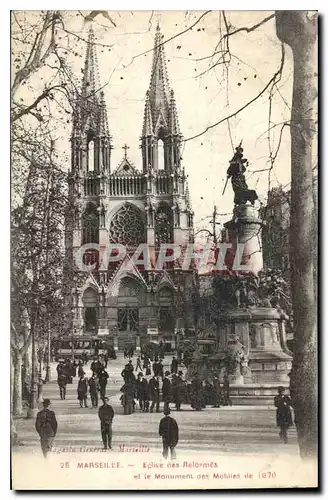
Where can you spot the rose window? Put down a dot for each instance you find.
(127, 227)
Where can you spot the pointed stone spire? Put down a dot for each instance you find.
(91, 80)
(159, 89)
(147, 129)
(174, 122)
(188, 199)
(103, 125)
(90, 120)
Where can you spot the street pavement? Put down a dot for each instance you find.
(227, 429)
(227, 447)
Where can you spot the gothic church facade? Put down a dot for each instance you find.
(127, 206)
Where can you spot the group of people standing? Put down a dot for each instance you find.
(97, 383)
(169, 387)
(166, 387)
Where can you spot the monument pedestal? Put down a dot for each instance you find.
(257, 329)
(245, 230)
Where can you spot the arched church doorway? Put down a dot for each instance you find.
(131, 298)
(90, 305)
(166, 317)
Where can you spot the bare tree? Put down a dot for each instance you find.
(298, 29)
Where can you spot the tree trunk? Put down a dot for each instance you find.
(17, 383)
(298, 30)
(13, 433)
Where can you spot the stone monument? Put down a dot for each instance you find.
(248, 327)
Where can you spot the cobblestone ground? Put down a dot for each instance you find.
(237, 432)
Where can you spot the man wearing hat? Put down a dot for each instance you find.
(106, 415)
(283, 413)
(46, 427)
(166, 390)
(169, 431)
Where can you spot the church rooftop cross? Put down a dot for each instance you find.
(125, 147)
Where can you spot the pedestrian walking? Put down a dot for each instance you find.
(106, 415)
(62, 381)
(60, 367)
(153, 391)
(82, 390)
(46, 426)
(138, 366)
(174, 365)
(93, 388)
(169, 431)
(283, 413)
(103, 379)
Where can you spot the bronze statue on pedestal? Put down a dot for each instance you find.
(235, 172)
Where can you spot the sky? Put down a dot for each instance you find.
(203, 95)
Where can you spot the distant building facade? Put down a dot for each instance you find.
(127, 206)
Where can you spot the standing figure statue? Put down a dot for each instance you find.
(235, 172)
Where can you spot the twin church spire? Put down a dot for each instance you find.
(160, 124)
(160, 117)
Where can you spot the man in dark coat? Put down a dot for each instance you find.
(96, 366)
(62, 381)
(142, 392)
(283, 413)
(46, 427)
(128, 391)
(153, 391)
(166, 390)
(217, 393)
(80, 370)
(106, 415)
(160, 369)
(93, 388)
(68, 371)
(127, 372)
(178, 386)
(169, 431)
(103, 378)
(197, 396)
(226, 391)
(82, 390)
(60, 367)
(209, 393)
(174, 365)
(155, 368)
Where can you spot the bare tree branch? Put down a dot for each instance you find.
(244, 28)
(36, 58)
(271, 81)
(46, 93)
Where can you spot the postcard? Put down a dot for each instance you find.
(164, 250)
